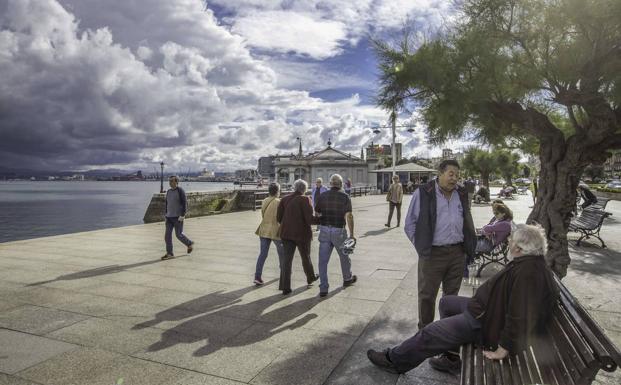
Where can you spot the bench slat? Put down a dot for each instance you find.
(497, 371)
(505, 367)
(533, 368)
(516, 370)
(572, 346)
(478, 367)
(611, 363)
(488, 371)
(467, 364)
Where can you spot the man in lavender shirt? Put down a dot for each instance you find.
(439, 225)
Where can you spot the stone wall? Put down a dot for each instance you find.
(203, 203)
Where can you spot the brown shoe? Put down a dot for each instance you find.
(167, 256)
(350, 281)
(190, 248)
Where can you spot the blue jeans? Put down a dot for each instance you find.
(454, 328)
(329, 238)
(265, 248)
(173, 222)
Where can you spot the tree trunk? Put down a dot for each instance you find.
(485, 179)
(561, 167)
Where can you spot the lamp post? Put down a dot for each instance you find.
(162, 178)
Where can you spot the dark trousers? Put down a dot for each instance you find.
(445, 266)
(455, 328)
(173, 222)
(287, 261)
(390, 211)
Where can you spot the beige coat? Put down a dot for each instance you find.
(269, 225)
(398, 192)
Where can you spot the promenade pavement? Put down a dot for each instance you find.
(101, 308)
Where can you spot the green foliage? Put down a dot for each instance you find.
(504, 56)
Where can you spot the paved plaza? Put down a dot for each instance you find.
(101, 308)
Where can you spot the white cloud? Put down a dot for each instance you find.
(283, 31)
(113, 84)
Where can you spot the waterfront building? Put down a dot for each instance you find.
(249, 174)
(612, 166)
(406, 172)
(323, 164)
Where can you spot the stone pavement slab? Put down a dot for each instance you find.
(198, 319)
(19, 351)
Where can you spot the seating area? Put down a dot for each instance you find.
(497, 255)
(589, 223)
(574, 350)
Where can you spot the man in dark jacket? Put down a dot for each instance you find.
(506, 314)
(295, 215)
(176, 207)
(440, 227)
(588, 198)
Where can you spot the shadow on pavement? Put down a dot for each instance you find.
(99, 271)
(595, 260)
(220, 319)
(373, 233)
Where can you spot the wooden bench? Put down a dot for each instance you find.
(497, 255)
(522, 190)
(589, 223)
(574, 350)
(600, 204)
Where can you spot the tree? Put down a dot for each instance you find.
(514, 72)
(507, 164)
(594, 172)
(479, 162)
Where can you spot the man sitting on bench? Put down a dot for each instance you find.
(506, 313)
(482, 195)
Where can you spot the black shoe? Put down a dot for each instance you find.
(313, 280)
(449, 363)
(323, 293)
(351, 281)
(386, 224)
(287, 291)
(380, 359)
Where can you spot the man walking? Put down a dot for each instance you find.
(295, 215)
(439, 225)
(316, 191)
(334, 206)
(394, 198)
(176, 207)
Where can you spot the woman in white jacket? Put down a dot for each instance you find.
(268, 230)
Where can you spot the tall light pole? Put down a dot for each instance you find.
(162, 178)
(393, 118)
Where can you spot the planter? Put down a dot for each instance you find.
(615, 196)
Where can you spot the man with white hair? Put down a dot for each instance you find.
(334, 208)
(295, 215)
(505, 315)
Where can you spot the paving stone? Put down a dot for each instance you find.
(20, 350)
(5, 379)
(38, 320)
(115, 336)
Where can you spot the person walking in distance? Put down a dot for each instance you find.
(440, 226)
(394, 198)
(335, 208)
(316, 191)
(176, 207)
(268, 230)
(295, 215)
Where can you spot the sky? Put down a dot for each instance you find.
(91, 84)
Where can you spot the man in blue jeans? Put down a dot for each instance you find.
(334, 208)
(176, 207)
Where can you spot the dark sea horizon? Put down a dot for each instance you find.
(30, 209)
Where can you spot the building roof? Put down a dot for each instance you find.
(408, 167)
(332, 153)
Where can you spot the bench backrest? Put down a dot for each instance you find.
(600, 204)
(590, 218)
(576, 347)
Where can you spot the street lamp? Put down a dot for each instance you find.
(393, 126)
(162, 178)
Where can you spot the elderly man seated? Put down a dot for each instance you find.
(504, 316)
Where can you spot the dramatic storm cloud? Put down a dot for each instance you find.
(88, 83)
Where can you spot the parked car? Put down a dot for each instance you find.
(523, 180)
(615, 184)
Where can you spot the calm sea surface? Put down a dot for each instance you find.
(37, 209)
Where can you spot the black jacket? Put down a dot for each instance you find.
(426, 224)
(515, 304)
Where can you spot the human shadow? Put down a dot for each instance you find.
(205, 304)
(99, 271)
(373, 233)
(238, 317)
